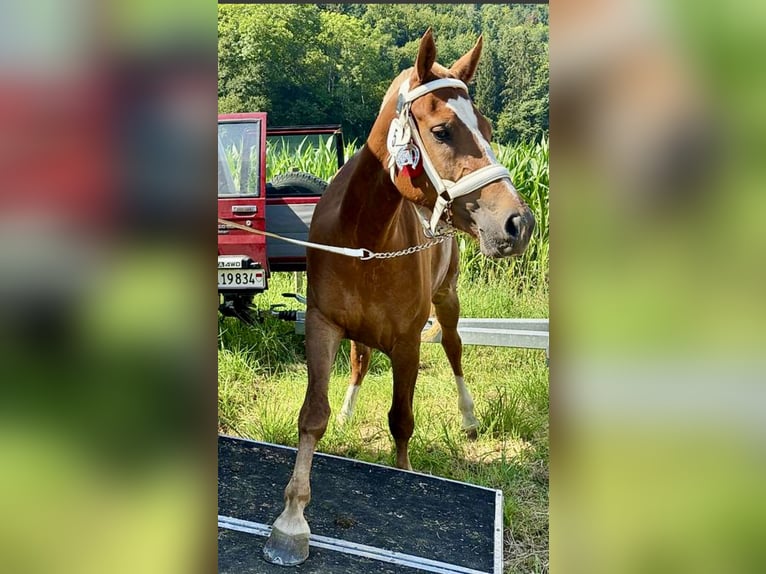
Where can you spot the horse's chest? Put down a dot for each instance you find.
(392, 296)
(379, 304)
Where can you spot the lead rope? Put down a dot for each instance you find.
(361, 253)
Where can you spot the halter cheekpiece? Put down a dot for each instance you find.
(407, 153)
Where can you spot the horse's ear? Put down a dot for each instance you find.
(465, 67)
(426, 55)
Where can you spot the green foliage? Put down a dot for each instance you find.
(331, 63)
(315, 155)
(524, 95)
(301, 64)
(528, 164)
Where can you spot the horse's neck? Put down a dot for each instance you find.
(371, 202)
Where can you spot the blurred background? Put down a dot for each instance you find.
(657, 284)
(107, 416)
(107, 308)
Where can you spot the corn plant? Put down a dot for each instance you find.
(313, 154)
(233, 157)
(528, 165)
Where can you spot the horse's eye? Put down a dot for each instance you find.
(441, 134)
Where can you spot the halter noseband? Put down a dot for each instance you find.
(405, 147)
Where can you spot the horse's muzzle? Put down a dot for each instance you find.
(509, 237)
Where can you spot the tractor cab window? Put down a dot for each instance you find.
(239, 158)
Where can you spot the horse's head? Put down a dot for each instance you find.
(439, 154)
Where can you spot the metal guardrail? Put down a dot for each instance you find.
(520, 333)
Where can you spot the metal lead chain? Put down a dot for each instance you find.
(414, 249)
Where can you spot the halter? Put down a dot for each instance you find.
(405, 148)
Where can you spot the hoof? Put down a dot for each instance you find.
(286, 550)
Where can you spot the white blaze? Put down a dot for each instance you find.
(463, 109)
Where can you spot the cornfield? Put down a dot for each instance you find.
(313, 154)
(528, 164)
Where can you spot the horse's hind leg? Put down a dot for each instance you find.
(405, 359)
(447, 309)
(288, 543)
(360, 363)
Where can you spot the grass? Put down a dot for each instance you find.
(262, 381)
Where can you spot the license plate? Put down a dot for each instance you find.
(241, 279)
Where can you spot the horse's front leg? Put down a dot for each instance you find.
(288, 543)
(405, 359)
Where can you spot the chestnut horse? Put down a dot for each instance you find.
(426, 166)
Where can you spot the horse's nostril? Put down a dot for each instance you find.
(513, 226)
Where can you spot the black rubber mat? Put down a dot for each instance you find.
(367, 504)
(240, 553)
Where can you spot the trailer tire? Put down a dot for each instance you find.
(298, 183)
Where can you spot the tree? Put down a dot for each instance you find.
(524, 95)
(262, 57)
(487, 92)
(355, 69)
(331, 63)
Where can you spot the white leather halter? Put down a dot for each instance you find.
(403, 131)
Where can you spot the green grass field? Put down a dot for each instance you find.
(262, 380)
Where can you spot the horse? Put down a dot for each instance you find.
(426, 169)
